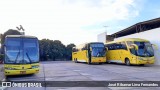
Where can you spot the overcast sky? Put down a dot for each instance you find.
(74, 21)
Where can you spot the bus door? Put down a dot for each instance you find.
(89, 54)
(122, 51)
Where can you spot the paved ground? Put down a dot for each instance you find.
(2, 77)
(1, 72)
(69, 71)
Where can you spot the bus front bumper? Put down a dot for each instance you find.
(21, 72)
(145, 61)
(98, 60)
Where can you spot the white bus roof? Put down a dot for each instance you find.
(128, 39)
(23, 36)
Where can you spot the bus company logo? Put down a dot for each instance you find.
(5, 85)
(22, 67)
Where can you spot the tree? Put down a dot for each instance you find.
(54, 50)
(69, 51)
(44, 48)
(9, 32)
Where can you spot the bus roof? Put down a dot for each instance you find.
(81, 45)
(91, 43)
(95, 42)
(20, 36)
(128, 39)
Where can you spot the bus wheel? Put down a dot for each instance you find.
(127, 62)
(75, 60)
(89, 62)
(141, 64)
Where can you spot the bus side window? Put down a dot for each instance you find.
(109, 47)
(118, 46)
(133, 51)
(113, 46)
(124, 45)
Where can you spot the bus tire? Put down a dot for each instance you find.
(141, 64)
(89, 63)
(127, 62)
(75, 60)
(100, 63)
(108, 62)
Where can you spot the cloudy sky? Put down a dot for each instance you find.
(74, 21)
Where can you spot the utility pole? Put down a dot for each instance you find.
(105, 28)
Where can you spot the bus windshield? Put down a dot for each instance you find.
(20, 51)
(31, 50)
(98, 50)
(13, 52)
(144, 49)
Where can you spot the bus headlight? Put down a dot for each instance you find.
(35, 66)
(8, 68)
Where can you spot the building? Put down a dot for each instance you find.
(149, 30)
(102, 37)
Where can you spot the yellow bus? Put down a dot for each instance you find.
(130, 51)
(93, 52)
(21, 55)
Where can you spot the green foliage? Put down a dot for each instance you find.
(69, 51)
(54, 50)
(9, 32)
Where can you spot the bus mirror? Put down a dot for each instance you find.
(155, 46)
(134, 46)
(90, 49)
(106, 49)
(3, 45)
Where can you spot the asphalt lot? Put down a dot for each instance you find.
(70, 71)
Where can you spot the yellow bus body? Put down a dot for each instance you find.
(83, 56)
(120, 55)
(11, 69)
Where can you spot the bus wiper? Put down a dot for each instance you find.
(98, 54)
(28, 57)
(146, 52)
(17, 56)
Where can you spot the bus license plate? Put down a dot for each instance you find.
(22, 72)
